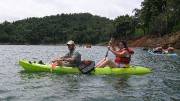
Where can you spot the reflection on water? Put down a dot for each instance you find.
(16, 85)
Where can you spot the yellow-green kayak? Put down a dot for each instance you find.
(36, 67)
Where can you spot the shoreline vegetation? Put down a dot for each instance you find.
(157, 22)
(148, 41)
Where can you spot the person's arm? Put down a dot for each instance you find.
(120, 54)
(57, 59)
(170, 48)
(69, 59)
(60, 58)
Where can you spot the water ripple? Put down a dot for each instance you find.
(16, 85)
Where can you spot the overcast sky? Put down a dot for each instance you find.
(12, 10)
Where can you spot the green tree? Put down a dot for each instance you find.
(124, 26)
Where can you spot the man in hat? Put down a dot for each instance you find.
(71, 59)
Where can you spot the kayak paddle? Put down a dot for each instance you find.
(110, 42)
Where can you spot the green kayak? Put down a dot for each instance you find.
(35, 67)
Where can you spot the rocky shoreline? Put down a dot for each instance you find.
(152, 40)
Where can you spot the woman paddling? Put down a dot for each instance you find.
(123, 56)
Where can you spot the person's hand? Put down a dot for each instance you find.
(108, 47)
(110, 43)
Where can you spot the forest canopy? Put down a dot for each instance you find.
(157, 17)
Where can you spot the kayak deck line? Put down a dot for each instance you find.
(36, 67)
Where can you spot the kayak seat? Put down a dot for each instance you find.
(87, 66)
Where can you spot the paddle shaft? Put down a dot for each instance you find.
(107, 53)
(110, 42)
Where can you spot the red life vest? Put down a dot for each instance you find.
(126, 59)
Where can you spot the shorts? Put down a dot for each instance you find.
(122, 65)
(67, 64)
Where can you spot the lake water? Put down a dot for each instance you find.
(15, 85)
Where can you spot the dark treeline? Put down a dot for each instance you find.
(57, 29)
(157, 17)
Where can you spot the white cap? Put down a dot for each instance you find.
(70, 42)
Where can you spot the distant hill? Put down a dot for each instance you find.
(82, 28)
